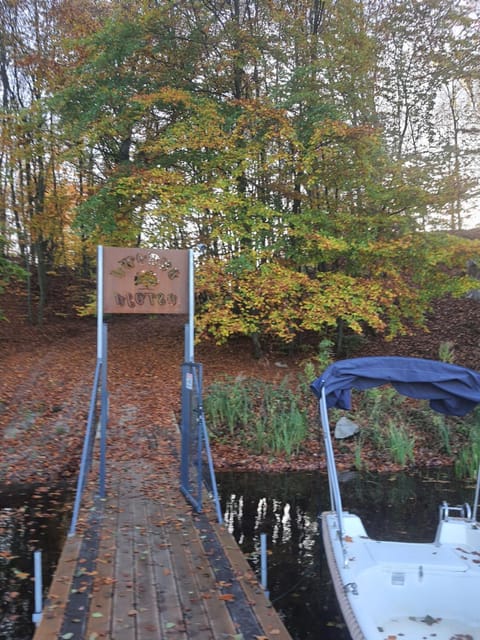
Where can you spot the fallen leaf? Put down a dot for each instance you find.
(21, 575)
(228, 597)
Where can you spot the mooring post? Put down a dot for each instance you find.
(263, 563)
(37, 573)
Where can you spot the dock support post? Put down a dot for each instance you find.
(263, 563)
(38, 602)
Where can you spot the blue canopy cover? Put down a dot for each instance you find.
(451, 389)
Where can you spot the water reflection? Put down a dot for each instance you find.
(31, 518)
(287, 508)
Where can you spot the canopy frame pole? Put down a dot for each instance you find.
(333, 484)
(477, 495)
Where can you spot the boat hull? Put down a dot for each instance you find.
(406, 591)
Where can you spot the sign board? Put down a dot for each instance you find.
(145, 280)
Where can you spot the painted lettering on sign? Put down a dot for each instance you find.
(145, 281)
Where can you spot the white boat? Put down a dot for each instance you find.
(403, 590)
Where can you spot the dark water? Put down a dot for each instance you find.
(287, 508)
(31, 518)
(284, 506)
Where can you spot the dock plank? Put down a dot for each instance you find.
(123, 618)
(55, 605)
(264, 611)
(100, 614)
(146, 605)
(169, 608)
(162, 572)
(191, 599)
(218, 616)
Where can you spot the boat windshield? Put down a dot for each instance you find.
(451, 389)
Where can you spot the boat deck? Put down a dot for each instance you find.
(412, 591)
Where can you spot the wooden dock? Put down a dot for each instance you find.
(144, 566)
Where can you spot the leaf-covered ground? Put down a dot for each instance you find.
(47, 373)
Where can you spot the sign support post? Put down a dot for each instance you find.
(190, 338)
(149, 281)
(100, 303)
(102, 336)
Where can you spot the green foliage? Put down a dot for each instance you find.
(358, 462)
(392, 428)
(9, 271)
(306, 218)
(273, 418)
(379, 402)
(279, 144)
(467, 462)
(315, 366)
(400, 443)
(386, 420)
(375, 288)
(229, 406)
(441, 433)
(264, 416)
(446, 351)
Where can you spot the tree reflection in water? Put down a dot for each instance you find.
(287, 508)
(284, 506)
(31, 518)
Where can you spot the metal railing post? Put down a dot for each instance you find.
(187, 383)
(203, 437)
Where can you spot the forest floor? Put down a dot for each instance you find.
(47, 374)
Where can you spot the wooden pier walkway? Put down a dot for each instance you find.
(144, 566)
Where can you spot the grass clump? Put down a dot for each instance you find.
(266, 417)
(468, 459)
(400, 443)
(278, 418)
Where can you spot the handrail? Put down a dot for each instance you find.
(192, 404)
(204, 432)
(87, 449)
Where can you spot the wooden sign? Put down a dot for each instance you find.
(145, 280)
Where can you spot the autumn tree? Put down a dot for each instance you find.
(426, 63)
(255, 130)
(36, 195)
(287, 139)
